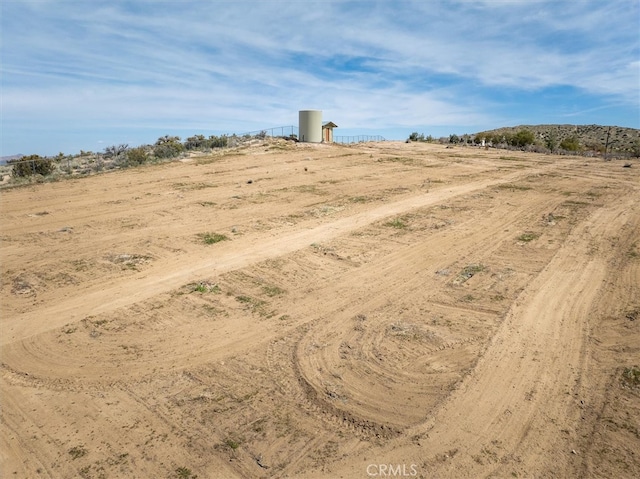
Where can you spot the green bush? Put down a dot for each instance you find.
(523, 138)
(218, 141)
(570, 144)
(420, 137)
(551, 142)
(168, 147)
(196, 142)
(505, 138)
(32, 165)
(137, 156)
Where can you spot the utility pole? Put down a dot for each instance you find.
(606, 145)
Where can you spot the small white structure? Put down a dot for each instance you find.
(327, 131)
(310, 126)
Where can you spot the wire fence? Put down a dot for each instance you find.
(275, 132)
(292, 132)
(357, 139)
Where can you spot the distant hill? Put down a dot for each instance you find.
(590, 137)
(5, 159)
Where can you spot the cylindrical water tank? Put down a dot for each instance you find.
(310, 126)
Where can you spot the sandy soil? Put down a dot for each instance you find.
(380, 310)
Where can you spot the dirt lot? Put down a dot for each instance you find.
(380, 310)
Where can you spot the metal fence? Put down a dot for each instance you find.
(277, 131)
(357, 139)
(292, 131)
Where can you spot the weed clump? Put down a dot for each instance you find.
(512, 187)
(631, 377)
(528, 236)
(272, 291)
(77, 452)
(185, 473)
(397, 223)
(212, 238)
(469, 272)
(232, 444)
(205, 287)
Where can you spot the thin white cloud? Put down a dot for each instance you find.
(228, 65)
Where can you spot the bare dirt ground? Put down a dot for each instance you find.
(380, 310)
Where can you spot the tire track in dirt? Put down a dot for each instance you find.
(364, 427)
(396, 269)
(295, 388)
(605, 402)
(502, 419)
(283, 357)
(48, 355)
(16, 450)
(171, 274)
(321, 348)
(537, 357)
(325, 337)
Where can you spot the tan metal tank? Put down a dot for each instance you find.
(310, 126)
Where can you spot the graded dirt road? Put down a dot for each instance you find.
(377, 310)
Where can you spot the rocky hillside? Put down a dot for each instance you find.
(622, 141)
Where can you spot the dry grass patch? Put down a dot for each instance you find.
(528, 236)
(512, 187)
(397, 223)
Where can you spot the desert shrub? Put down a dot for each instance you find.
(522, 139)
(594, 146)
(199, 142)
(503, 139)
(538, 148)
(168, 147)
(570, 143)
(32, 165)
(494, 138)
(196, 142)
(420, 137)
(551, 141)
(137, 156)
(115, 151)
(218, 141)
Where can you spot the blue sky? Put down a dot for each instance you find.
(83, 75)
